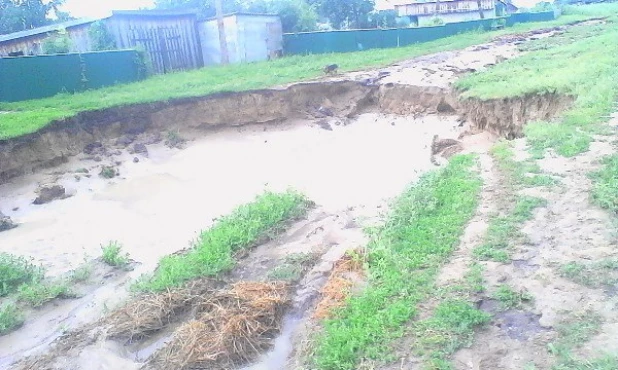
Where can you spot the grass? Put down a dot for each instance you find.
(572, 334)
(10, 318)
(519, 173)
(292, 267)
(26, 117)
(37, 294)
(599, 274)
(605, 185)
(585, 68)
(15, 271)
(112, 255)
(404, 256)
(503, 231)
(451, 327)
(509, 298)
(213, 251)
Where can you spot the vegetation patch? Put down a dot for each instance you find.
(599, 274)
(10, 318)
(293, 267)
(403, 260)
(214, 250)
(605, 185)
(583, 67)
(37, 294)
(15, 271)
(509, 298)
(113, 256)
(504, 231)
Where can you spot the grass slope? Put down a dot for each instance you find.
(213, 251)
(404, 258)
(584, 64)
(26, 117)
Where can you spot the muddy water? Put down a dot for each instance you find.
(159, 204)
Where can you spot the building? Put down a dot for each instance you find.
(172, 40)
(429, 12)
(250, 38)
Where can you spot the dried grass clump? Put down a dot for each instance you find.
(346, 274)
(231, 328)
(152, 312)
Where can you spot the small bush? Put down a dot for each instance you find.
(10, 318)
(59, 43)
(509, 298)
(15, 271)
(38, 294)
(112, 255)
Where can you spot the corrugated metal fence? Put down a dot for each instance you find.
(47, 75)
(346, 41)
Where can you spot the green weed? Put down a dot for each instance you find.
(605, 185)
(594, 275)
(404, 256)
(509, 298)
(112, 255)
(294, 266)
(474, 278)
(213, 251)
(82, 273)
(15, 271)
(10, 318)
(450, 328)
(40, 293)
(26, 117)
(518, 173)
(503, 231)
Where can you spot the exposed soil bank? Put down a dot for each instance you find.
(507, 117)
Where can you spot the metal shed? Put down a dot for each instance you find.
(250, 38)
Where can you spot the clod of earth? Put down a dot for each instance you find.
(140, 148)
(50, 192)
(6, 223)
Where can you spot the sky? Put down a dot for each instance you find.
(101, 8)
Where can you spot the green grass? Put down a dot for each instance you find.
(598, 274)
(519, 173)
(10, 318)
(30, 116)
(213, 251)
(15, 271)
(37, 294)
(293, 267)
(572, 334)
(450, 328)
(503, 231)
(585, 68)
(404, 257)
(509, 298)
(605, 185)
(112, 255)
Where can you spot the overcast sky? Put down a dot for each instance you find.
(100, 8)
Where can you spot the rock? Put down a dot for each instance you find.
(93, 148)
(324, 124)
(125, 140)
(135, 160)
(6, 223)
(326, 111)
(150, 139)
(140, 148)
(97, 159)
(48, 193)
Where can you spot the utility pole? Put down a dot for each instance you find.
(225, 57)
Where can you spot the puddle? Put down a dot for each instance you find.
(277, 358)
(519, 325)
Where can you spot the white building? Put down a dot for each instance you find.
(448, 11)
(250, 38)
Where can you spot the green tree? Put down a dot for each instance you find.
(19, 15)
(296, 15)
(354, 13)
(100, 37)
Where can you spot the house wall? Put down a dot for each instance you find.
(444, 7)
(172, 42)
(32, 45)
(211, 47)
(426, 20)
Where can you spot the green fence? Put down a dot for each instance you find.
(41, 76)
(345, 41)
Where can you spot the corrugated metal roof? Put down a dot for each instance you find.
(46, 29)
(155, 13)
(244, 13)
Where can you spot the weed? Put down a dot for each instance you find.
(15, 271)
(22, 118)
(474, 278)
(174, 140)
(598, 274)
(509, 298)
(112, 255)
(108, 172)
(293, 267)
(605, 185)
(518, 173)
(504, 230)
(10, 318)
(38, 294)
(213, 251)
(403, 258)
(451, 327)
(81, 274)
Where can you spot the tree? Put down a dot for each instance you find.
(296, 15)
(19, 15)
(353, 12)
